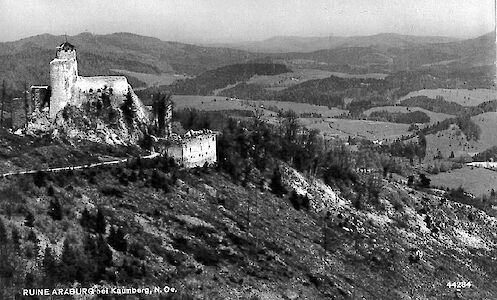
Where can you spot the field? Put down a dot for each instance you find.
(488, 125)
(281, 81)
(476, 181)
(434, 117)
(268, 107)
(447, 141)
(344, 128)
(461, 96)
(454, 140)
(152, 79)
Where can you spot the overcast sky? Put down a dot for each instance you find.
(236, 20)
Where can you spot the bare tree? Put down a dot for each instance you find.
(26, 104)
(3, 103)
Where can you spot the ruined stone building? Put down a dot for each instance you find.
(67, 87)
(195, 148)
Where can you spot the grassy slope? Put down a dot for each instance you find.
(371, 130)
(207, 103)
(477, 181)
(488, 125)
(434, 117)
(461, 96)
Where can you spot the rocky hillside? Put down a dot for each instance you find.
(209, 237)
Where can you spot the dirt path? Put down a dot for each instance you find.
(79, 167)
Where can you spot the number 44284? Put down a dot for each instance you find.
(459, 284)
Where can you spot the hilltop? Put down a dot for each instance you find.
(281, 44)
(138, 56)
(25, 59)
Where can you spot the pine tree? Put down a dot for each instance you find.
(3, 103)
(69, 260)
(86, 220)
(3, 233)
(50, 267)
(276, 185)
(100, 223)
(26, 103)
(30, 219)
(55, 210)
(16, 238)
(116, 239)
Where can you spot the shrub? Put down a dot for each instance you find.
(55, 210)
(112, 191)
(299, 201)
(276, 185)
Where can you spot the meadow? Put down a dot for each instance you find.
(488, 125)
(344, 128)
(268, 107)
(281, 81)
(463, 97)
(434, 117)
(477, 181)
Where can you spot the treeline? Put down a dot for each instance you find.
(464, 122)
(329, 92)
(207, 82)
(399, 117)
(405, 82)
(440, 105)
(487, 155)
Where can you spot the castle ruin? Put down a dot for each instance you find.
(67, 87)
(195, 148)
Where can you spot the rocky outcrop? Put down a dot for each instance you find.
(321, 196)
(122, 125)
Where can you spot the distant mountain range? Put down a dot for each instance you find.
(27, 60)
(282, 44)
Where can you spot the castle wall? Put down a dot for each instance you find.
(40, 99)
(63, 77)
(88, 85)
(194, 151)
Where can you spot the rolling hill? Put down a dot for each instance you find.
(27, 59)
(281, 44)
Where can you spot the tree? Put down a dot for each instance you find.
(3, 102)
(421, 149)
(161, 107)
(26, 103)
(7, 262)
(50, 267)
(117, 239)
(424, 181)
(3, 232)
(100, 223)
(55, 210)
(29, 220)
(86, 220)
(276, 185)
(128, 108)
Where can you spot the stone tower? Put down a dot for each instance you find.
(63, 77)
